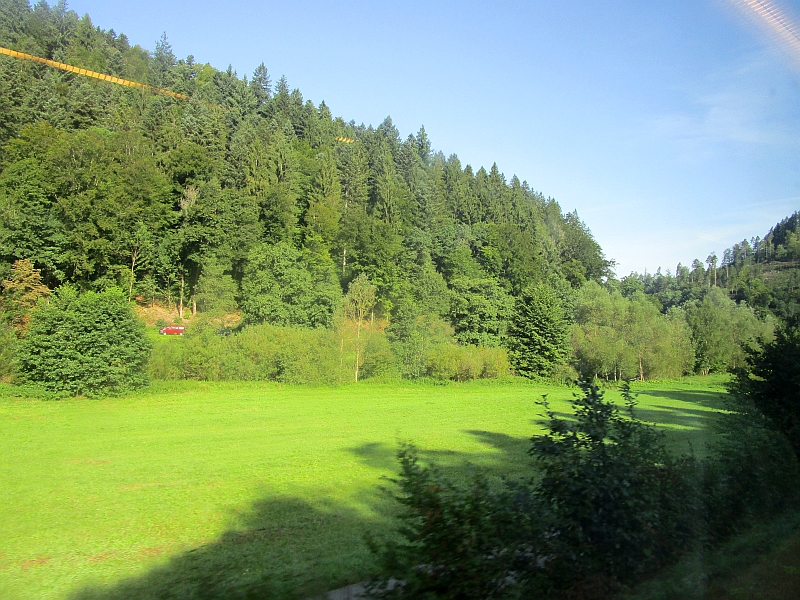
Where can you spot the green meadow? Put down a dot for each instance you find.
(191, 489)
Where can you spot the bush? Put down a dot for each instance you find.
(751, 472)
(460, 540)
(257, 353)
(607, 504)
(413, 337)
(379, 360)
(617, 500)
(462, 363)
(771, 384)
(8, 340)
(84, 344)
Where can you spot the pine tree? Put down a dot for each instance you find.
(538, 332)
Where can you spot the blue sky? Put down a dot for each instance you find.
(673, 127)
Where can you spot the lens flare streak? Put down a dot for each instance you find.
(777, 22)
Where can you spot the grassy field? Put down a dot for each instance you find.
(249, 489)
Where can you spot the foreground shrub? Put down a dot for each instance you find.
(459, 540)
(90, 344)
(618, 503)
(771, 384)
(607, 505)
(752, 472)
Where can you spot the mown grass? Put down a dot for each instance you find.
(191, 489)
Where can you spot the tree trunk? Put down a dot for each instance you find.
(180, 298)
(133, 266)
(358, 345)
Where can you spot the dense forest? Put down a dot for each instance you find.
(249, 207)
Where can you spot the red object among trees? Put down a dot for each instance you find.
(171, 330)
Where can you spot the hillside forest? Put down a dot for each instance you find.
(300, 247)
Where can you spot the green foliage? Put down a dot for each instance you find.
(479, 311)
(608, 504)
(413, 337)
(285, 286)
(379, 360)
(752, 473)
(89, 344)
(722, 331)
(257, 353)
(538, 332)
(216, 290)
(618, 338)
(582, 257)
(176, 201)
(20, 293)
(459, 540)
(359, 318)
(617, 499)
(8, 341)
(462, 363)
(771, 384)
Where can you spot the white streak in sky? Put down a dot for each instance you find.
(779, 26)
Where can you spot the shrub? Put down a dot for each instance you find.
(7, 342)
(462, 363)
(751, 473)
(459, 540)
(84, 344)
(413, 337)
(494, 362)
(616, 499)
(459, 363)
(256, 353)
(771, 384)
(607, 504)
(379, 360)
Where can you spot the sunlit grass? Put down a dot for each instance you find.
(249, 486)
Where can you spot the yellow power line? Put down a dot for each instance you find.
(112, 79)
(88, 73)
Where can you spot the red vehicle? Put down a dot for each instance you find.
(171, 330)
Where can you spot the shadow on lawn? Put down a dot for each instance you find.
(713, 400)
(511, 459)
(286, 548)
(282, 548)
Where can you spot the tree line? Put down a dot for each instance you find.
(251, 200)
(245, 199)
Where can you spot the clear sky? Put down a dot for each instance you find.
(672, 126)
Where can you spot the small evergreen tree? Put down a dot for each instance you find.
(85, 344)
(539, 332)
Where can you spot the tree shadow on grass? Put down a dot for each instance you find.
(288, 548)
(282, 548)
(686, 430)
(510, 458)
(713, 400)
